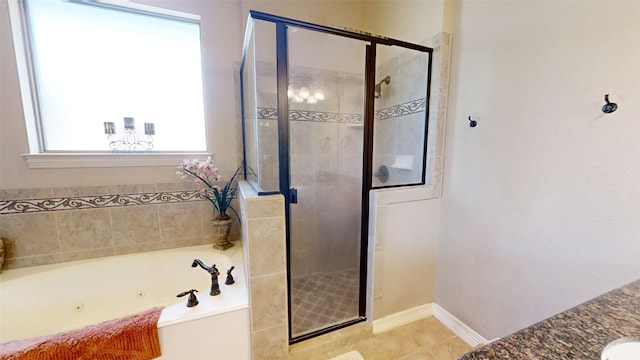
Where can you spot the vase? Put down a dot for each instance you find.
(221, 230)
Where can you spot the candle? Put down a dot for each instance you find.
(109, 128)
(129, 124)
(149, 129)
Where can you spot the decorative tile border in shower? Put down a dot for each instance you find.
(94, 202)
(267, 114)
(313, 116)
(318, 116)
(407, 108)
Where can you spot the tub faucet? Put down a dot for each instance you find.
(229, 279)
(193, 300)
(215, 287)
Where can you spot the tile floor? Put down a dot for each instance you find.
(425, 339)
(324, 299)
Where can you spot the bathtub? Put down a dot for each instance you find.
(47, 299)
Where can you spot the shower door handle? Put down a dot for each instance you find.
(293, 196)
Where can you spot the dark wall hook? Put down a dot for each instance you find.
(609, 107)
(472, 123)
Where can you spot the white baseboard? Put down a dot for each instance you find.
(458, 327)
(402, 318)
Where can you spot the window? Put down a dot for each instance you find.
(103, 73)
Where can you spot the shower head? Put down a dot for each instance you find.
(378, 88)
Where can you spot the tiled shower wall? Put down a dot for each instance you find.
(438, 106)
(51, 225)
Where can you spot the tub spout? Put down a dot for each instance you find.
(215, 287)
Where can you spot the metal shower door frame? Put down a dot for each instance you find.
(282, 73)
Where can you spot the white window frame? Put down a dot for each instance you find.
(36, 158)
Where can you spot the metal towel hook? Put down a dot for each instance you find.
(472, 123)
(609, 107)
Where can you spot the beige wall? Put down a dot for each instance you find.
(323, 12)
(540, 201)
(412, 21)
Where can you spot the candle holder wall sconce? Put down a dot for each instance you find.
(130, 140)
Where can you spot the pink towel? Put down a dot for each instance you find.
(133, 337)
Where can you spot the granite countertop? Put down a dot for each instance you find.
(581, 332)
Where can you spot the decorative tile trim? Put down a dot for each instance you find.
(318, 116)
(94, 202)
(267, 114)
(307, 115)
(410, 107)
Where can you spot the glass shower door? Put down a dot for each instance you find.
(326, 113)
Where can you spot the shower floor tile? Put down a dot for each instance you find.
(324, 299)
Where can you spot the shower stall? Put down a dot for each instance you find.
(328, 115)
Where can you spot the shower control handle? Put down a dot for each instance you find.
(293, 196)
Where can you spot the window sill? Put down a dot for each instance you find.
(102, 160)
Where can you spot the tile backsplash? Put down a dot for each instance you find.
(51, 225)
